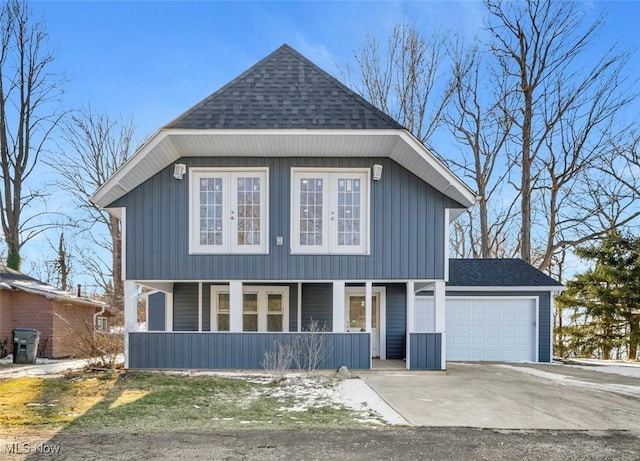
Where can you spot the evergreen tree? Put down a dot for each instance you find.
(605, 299)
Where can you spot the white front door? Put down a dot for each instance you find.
(356, 318)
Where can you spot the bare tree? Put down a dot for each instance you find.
(480, 122)
(96, 146)
(28, 114)
(539, 46)
(408, 80)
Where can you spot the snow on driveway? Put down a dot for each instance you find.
(624, 389)
(629, 369)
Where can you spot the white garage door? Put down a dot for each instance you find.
(484, 329)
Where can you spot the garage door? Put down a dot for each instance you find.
(484, 329)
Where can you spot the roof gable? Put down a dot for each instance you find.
(284, 91)
(496, 273)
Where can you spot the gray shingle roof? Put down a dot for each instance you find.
(496, 272)
(284, 90)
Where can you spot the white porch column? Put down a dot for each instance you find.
(439, 301)
(411, 300)
(299, 306)
(339, 318)
(130, 315)
(200, 306)
(169, 312)
(235, 306)
(368, 304)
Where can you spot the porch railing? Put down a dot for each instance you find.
(242, 351)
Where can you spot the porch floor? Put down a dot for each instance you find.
(377, 364)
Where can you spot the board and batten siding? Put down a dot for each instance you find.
(396, 320)
(407, 238)
(210, 350)
(185, 307)
(544, 315)
(156, 312)
(317, 304)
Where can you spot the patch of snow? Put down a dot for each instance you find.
(356, 394)
(624, 389)
(45, 368)
(616, 367)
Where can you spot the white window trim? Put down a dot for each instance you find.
(329, 245)
(228, 245)
(101, 324)
(262, 292)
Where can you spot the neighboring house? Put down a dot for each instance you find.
(62, 319)
(281, 198)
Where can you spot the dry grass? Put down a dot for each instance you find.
(146, 402)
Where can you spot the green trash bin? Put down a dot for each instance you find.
(25, 345)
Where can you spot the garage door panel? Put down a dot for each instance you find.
(490, 329)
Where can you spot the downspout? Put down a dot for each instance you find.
(98, 314)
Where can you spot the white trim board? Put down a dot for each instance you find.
(168, 145)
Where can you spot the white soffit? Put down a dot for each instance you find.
(166, 146)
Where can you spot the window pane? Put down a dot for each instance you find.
(274, 303)
(248, 210)
(210, 218)
(250, 302)
(274, 322)
(348, 212)
(223, 302)
(223, 322)
(311, 190)
(356, 312)
(249, 322)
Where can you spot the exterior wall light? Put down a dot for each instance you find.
(179, 169)
(377, 172)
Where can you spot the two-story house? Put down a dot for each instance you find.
(285, 197)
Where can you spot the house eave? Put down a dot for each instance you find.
(506, 288)
(168, 145)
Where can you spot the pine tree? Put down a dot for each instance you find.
(605, 299)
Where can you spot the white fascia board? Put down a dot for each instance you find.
(505, 288)
(162, 284)
(435, 163)
(116, 186)
(100, 194)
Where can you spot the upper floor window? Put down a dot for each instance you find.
(228, 210)
(330, 211)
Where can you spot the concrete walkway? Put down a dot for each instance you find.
(513, 397)
(44, 368)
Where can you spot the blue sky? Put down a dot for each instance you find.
(155, 59)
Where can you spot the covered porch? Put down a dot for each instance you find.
(231, 325)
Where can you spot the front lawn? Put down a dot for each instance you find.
(147, 402)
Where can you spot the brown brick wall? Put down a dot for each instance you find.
(72, 324)
(6, 321)
(33, 311)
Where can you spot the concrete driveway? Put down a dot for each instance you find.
(513, 397)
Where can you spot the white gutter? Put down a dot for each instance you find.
(98, 314)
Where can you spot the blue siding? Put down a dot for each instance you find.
(425, 351)
(407, 228)
(156, 320)
(396, 321)
(237, 350)
(544, 315)
(185, 307)
(317, 304)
